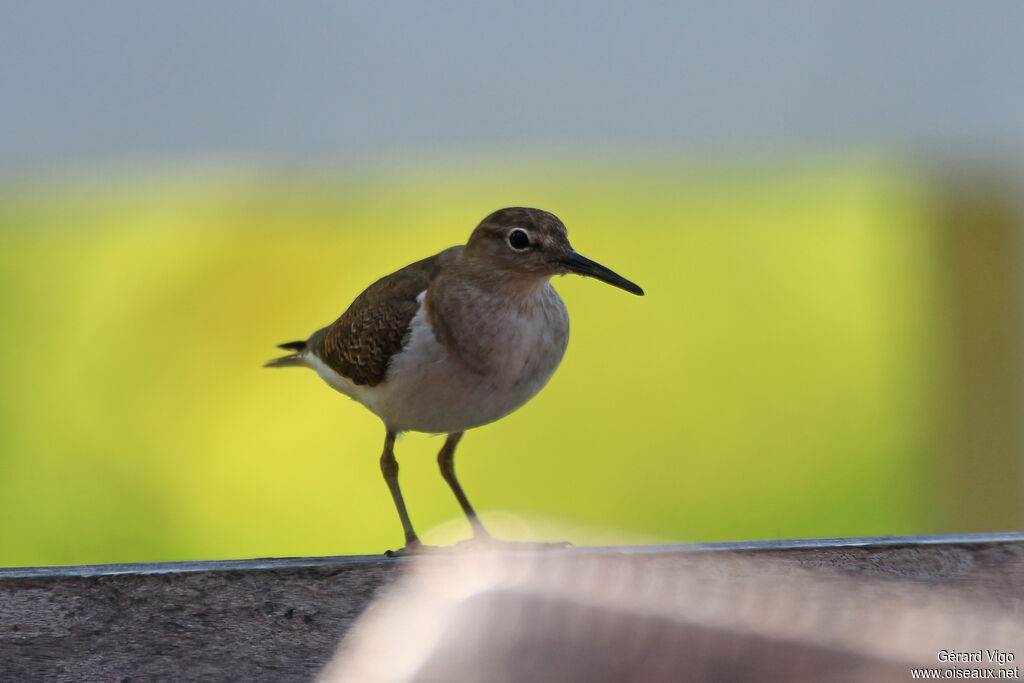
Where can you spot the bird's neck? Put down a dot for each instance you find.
(515, 287)
(474, 312)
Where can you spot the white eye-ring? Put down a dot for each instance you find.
(518, 239)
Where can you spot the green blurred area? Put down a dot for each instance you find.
(783, 377)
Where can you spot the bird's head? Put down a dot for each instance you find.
(534, 244)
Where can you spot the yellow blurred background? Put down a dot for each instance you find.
(798, 367)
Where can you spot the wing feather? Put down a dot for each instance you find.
(360, 344)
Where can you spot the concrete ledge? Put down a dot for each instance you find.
(281, 619)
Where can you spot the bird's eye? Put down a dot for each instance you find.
(518, 239)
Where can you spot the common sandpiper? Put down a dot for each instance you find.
(455, 341)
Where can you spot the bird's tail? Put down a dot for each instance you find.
(298, 357)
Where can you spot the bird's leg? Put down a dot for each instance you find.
(446, 460)
(389, 466)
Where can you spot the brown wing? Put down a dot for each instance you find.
(360, 343)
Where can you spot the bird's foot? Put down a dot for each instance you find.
(414, 548)
(478, 543)
(491, 543)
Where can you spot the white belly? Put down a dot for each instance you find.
(426, 390)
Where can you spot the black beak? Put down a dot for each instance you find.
(580, 264)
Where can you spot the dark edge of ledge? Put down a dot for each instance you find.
(350, 561)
